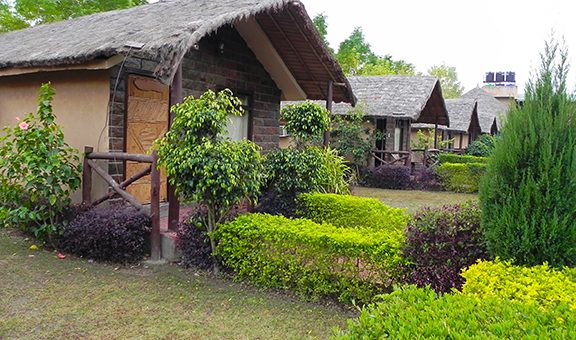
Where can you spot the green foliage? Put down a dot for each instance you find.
(351, 135)
(538, 286)
(305, 121)
(355, 56)
(461, 177)
(527, 196)
(460, 159)
(322, 27)
(312, 259)
(309, 170)
(482, 147)
(425, 140)
(19, 14)
(38, 171)
(345, 211)
(451, 87)
(416, 313)
(204, 167)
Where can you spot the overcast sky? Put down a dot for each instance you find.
(473, 36)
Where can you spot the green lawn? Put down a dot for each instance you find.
(413, 200)
(44, 297)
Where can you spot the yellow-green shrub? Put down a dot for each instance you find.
(540, 285)
(310, 258)
(460, 159)
(416, 313)
(347, 211)
(461, 177)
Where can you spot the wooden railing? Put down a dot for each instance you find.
(119, 189)
(392, 157)
(428, 157)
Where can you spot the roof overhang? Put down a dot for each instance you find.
(434, 111)
(101, 64)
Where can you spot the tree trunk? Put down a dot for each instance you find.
(211, 228)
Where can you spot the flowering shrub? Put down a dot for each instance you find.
(440, 242)
(114, 234)
(38, 171)
(539, 285)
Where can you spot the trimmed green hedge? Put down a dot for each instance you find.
(460, 159)
(461, 177)
(348, 211)
(414, 313)
(539, 285)
(312, 259)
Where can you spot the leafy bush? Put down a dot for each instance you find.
(482, 147)
(204, 167)
(461, 177)
(346, 211)
(38, 171)
(539, 286)
(312, 259)
(416, 313)
(460, 159)
(312, 169)
(115, 234)
(352, 137)
(440, 242)
(390, 177)
(306, 120)
(527, 195)
(426, 179)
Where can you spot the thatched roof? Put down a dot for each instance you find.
(489, 108)
(170, 28)
(417, 98)
(463, 113)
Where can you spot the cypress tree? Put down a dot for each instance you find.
(528, 196)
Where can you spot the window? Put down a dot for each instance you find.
(399, 135)
(283, 132)
(239, 126)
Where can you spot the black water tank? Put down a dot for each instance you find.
(511, 77)
(500, 77)
(489, 77)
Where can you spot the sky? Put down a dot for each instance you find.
(474, 36)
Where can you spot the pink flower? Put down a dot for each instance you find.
(17, 119)
(23, 126)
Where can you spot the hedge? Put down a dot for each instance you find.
(416, 313)
(460, 159)
(346, 211)
(461, 177)
(539, 285)
(312, 259)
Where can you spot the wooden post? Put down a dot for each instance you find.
(176, 97)
(156, 250)
(436, 133)
(329, 101)
(87, 178)
(409, 144)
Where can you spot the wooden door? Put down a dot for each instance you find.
(147, 120)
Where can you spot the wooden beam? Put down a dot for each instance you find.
(176, 97)
(123, 185)
(87, 178)
(115, 186)
(329, 101)
(156, 250)
(120, 156)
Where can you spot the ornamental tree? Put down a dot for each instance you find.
(38, 171)
(202, 165)
(306, 121)
(527, 195)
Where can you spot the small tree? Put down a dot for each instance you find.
(482, 147)
(38, 171)
(528, 194)
(306, 121)
(203, 166)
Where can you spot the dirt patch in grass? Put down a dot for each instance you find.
(42, 297)
(413, 200)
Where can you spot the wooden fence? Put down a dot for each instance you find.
(119, 189)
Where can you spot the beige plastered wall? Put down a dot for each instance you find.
(80, 105)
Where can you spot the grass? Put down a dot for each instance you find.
(42, 297)
(413, 200)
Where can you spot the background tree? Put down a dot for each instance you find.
(527, 195)
(451, 87)
(203, 166)
(320, 21)
(388, 66)
(20, 14)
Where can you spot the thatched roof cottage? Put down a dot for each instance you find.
(490, 110)
(464, 124)
(117, 73)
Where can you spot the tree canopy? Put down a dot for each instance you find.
(20, 14)
(451, 87)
